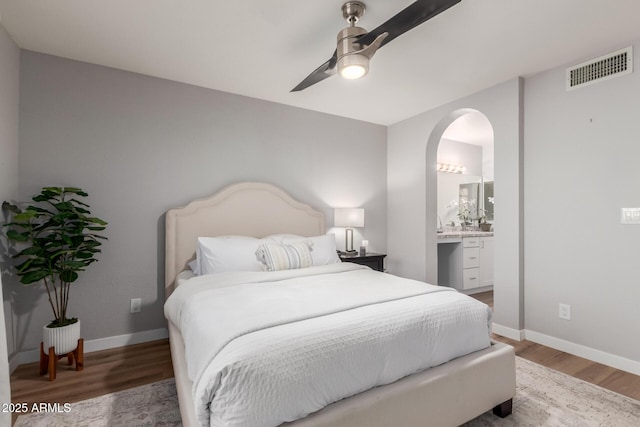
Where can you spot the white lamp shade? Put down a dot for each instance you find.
(349, 217)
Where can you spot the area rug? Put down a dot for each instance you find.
(544, 397)
(154, 404)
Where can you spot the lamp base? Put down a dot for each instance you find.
(348, 240)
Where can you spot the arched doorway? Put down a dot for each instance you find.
(432, 219)
(465, 200)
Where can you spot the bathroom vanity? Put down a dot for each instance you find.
(465, 260)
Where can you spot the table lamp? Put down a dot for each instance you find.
(349, 218)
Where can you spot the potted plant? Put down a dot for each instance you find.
(465, 216)
(482, 221)
(57, 238)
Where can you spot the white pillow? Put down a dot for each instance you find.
(323, 248)
(194, 266)
(227, 253)
(276, 257)
(279, 238)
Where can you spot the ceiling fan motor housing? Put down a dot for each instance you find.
(347, 40)
(347, 45)
(352, 11)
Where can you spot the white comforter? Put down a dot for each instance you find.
(266, 348)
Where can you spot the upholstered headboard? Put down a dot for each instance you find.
(248, 209)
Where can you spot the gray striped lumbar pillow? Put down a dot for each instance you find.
(284, 257)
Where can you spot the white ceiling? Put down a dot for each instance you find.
(472, 128)
(262, 49)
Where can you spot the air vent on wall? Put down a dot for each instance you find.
(614, 64)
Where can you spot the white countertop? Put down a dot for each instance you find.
(456, 236)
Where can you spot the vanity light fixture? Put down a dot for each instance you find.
(349, 217)
(450, 168)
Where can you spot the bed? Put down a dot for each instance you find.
(445, 395)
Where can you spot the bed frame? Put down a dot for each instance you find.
(447, 395)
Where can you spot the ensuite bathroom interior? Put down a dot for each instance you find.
(466, 205)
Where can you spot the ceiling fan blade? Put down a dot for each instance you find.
(407, 19)
(327, 69)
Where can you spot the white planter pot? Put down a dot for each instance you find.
(64, 339)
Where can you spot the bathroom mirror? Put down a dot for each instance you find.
(488, 200)
(468, 198)
(449, 196)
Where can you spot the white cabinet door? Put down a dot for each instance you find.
(471, 258)
(486, 261)
(470, 278)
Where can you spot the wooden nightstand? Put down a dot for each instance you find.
(375, 261)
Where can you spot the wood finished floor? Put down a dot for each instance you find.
(104, 372)
(117, 369)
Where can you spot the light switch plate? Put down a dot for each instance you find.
(630, 216)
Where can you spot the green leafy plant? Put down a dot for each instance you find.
(58, 238)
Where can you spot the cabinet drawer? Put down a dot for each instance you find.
(471, 278)
(471, 242)
(471, 257)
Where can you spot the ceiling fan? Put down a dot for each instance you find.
(356, 46)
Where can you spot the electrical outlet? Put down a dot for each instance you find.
(136, 305)
(564, 311)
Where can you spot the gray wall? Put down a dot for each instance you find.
(581, 166)
(140, 145)
(412, 193)
(461, 153)
(9, 81)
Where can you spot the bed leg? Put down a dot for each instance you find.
(503, 409)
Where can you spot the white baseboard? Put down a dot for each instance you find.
(514, 334)
(31, 356)
(592, 354)
(589, 353)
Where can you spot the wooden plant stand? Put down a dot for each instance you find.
(49, 361)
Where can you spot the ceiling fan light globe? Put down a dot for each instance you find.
(353, 72)
(353, 66)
